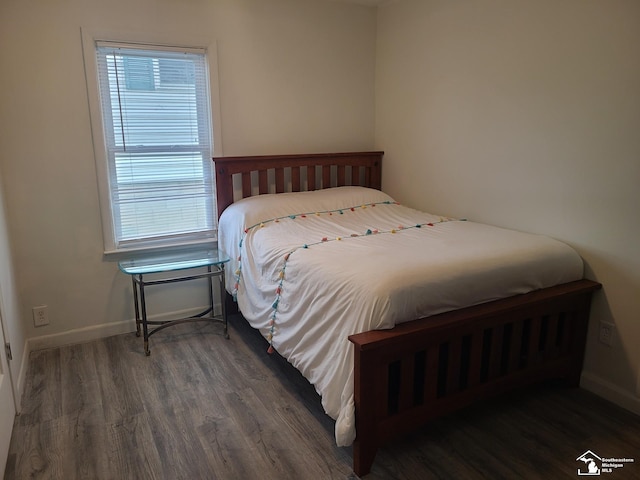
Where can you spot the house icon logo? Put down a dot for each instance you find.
(592, 463)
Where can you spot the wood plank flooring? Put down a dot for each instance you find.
(203, 407)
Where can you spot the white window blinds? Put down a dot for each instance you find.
(156, 118)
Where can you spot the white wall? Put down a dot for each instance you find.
(526, 115)
(295, 76)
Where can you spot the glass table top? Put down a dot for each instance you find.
(157, 263)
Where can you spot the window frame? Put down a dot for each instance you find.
(90, 39)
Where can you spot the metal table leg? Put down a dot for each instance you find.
(135, 304)
(145, 328)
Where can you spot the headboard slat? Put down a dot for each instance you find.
(311, 178)
(295, 179)
(263, 183)
(367, 176)
(279, 180)
(341, 176)
(326, 176)
(246, 184)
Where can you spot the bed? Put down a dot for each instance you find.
(395, 316)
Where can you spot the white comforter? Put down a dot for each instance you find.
(309, 269)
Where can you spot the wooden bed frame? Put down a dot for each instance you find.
(432, 366)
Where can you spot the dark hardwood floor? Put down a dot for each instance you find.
(203, 407)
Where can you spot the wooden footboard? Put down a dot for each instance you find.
(426, 368)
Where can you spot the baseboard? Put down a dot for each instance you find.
(610, 392)
(95, 332)
(22, 377)
(78, 335)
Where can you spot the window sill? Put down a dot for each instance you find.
(116, 255)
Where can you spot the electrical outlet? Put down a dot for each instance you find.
(607, 331)
(40, 316)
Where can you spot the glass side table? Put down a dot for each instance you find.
(171, 268)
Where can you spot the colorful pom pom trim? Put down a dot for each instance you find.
(323, 240)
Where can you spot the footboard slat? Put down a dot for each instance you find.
(515, 347)
(565, 332)
(495, 350)
(453, 366)
(440, 364)
(430, 387)
(475, 359)
(533, 350)
(551, 347)
(407, 369)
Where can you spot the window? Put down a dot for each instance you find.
(155, 113)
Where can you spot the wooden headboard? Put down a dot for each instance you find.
(294, 173)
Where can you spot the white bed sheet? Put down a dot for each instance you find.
(324, 265)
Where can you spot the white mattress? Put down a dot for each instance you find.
(309, 269)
